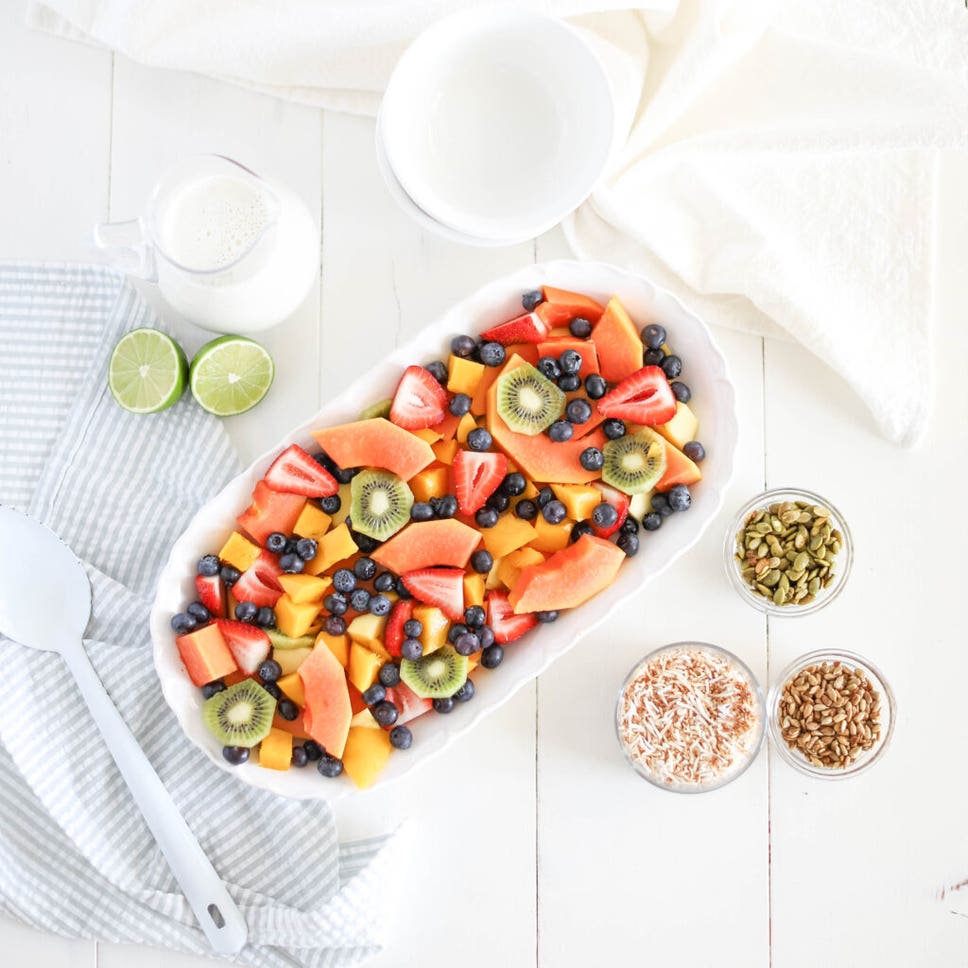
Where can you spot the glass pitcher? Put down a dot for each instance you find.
(229, 250)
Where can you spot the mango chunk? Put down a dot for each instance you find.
(304, 588)
(292, 686)
(509, 534)
(368, 630)
(293, 619)
(365, 754)
(363, 667)
(435, 626)
(681, 428)
(312, 522)
(512, 564)
(290, 659)
(275, 751)
(463, 375)
(444, 450)
(429, 483)
(466, 425)
(334, 546)
(550, 537)
(579, 499)
(473, 590)
(339, 645)
(239, 552)
(365, 719)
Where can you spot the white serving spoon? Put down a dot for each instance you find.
(37, 570)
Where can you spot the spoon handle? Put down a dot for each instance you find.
(219, 917)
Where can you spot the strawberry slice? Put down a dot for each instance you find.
(527, 328)
(211, 593)
(393, 633)
(443, 587)
(258, 584)
(620, 502)
(645, 397)
(409, 704)
(476, 477)
(248, 644)
(295, 472)
(420, 401)
(504, 623)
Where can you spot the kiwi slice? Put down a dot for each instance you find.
(285, 642)
(435, 676)
(635, 462)
(528, 401)
(240, 715)
(380, 504)
(379, 409)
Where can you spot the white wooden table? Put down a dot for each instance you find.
(540, 848)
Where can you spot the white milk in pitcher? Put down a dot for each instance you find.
(237, 254)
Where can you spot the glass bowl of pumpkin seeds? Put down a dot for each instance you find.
(788, 552)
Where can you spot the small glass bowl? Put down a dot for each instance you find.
(844, 559)
(759, 730)
(888, 714)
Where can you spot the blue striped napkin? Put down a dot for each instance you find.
(75, 855)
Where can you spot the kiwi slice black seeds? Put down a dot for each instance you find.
(380, 504)
(241, 715)
(527, 401)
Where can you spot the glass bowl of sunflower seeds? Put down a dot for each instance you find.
(788, 552)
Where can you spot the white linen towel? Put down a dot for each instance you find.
(780, 170)
(75, 855)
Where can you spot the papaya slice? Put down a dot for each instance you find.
(375, 443)
(560, 307)
(427, 543)
(327, 713)
(618, 343)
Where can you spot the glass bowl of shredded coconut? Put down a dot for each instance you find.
(690, 717)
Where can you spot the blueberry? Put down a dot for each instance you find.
(401, 738)
(486, 517)
(592, 459)
(212, 688)
(183, 623)
(402, 591)
(514, 484)
(199, 612)
(208, 566)
(246, 611)
(364, 542)
(344, 580)
(456, 631)
(486, 636)
(380, 604)
(604, 516)
(288, 710)
(460, 403)
(376, 693)
(276, 542)
(544, 496)
(653, 357)
(578, 411)
(569, 382)
(492, 656)
(421, 511)
(335, 603)
(570, 361)
(331, 504)
(630, 525)
(694, 451)
(548, 366)
(364, 568)
(499, 501)
(236, 755)
(580, 328)
(679, 499)
(653, 336)
(413, 628)
(595, 386)
(411, 649)
(445, 705)
(660, 503)
(389, 675)
(384, 581)
(291, 543)
(334, 625)
(463, 345)
(554, 512)
(270, 670)
(582, 527)
(360, 600)
(273, 690)
(547, 617)
(482, 561)
(306, 548)
(291, 564)
(299, 757)
(313, 750)
(629, 543)
(531, 299)
(492, 354)
(474, 616)
(385, 713)
(329, 766)
(652, 521)
(447, 505)
(560, 431)
(266, 619)
(479, 439)
(526, 510)
(680, 391)
(466, 692)
(438, 369)
(671, 366)
(613, 428)
(467, 644)
(229, 574)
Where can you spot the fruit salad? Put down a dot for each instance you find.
(373, 581)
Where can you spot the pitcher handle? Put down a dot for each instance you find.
(126, 248)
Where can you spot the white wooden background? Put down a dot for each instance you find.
(540, 848)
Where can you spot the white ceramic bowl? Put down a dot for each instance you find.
(713, 400)
(498, 122)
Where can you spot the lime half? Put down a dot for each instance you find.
(231, 375)
(147, 371)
